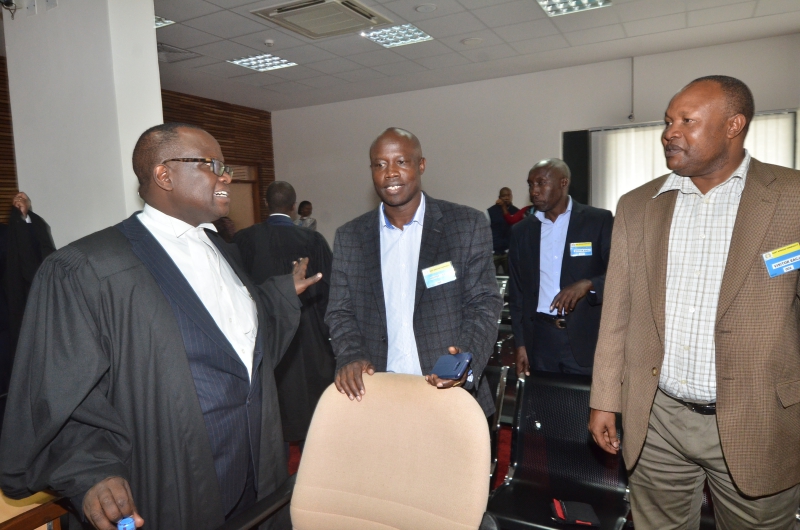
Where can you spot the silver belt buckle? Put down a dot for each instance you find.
(561, 323)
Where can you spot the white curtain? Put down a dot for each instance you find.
(624, 159)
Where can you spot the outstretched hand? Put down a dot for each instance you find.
(301, 283)
(108, 501)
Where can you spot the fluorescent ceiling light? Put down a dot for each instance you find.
(263, 63)
(397, 36)
(555, 8)
(161, 22)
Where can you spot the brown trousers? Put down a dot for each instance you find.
(681, 451)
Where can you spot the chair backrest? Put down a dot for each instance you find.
(408, 456)
(551, 444)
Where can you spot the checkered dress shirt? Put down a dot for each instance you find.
(699, 239)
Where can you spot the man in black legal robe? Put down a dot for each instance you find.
(127, 397)
(268, 249)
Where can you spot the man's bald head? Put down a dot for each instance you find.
(553, 166)
(281, 197)
(396, 132)
(155, 145)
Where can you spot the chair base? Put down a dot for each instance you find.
(522, 506)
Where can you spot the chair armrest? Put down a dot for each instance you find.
(263, 509)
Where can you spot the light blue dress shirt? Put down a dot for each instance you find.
(399, 264)
(551, 257)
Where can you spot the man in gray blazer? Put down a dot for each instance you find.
(411, 280)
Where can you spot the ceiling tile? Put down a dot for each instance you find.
(490, 54)
(183, 36)
(295, 73)
(348, 45)
(705, 4)
(477, 4)
(715, 15)
(377, 57)
(197, 61)
(647, 9)
(487, 36)
(180, 10)
(590, 36)
(773, 7)
(594, 18)
(305, 54)
(404, 68)
(225, 50)
(334, 66)
(422, 49)
(655, 25)
(224, 70)
(443, 61)
(511, 13)
(533, 29)
(280, 40)
(405, 8)
(289, 87)
(259, 79)
(450, 25)
(228, 4)
(325, 81)
(542, 44)
(225, 24)
(365, 74)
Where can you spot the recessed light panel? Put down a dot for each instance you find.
(263, 63)
(397, 36)
(555, 8)
(161, 22)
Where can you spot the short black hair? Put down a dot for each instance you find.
(150, 148)
(280, 196)
(551, 164)
(739, 97)
(302, 205)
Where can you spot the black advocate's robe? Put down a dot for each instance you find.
(308, 367)
(102, 387)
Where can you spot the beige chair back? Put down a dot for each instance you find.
(408, 456)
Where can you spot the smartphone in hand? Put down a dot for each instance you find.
(452, 366)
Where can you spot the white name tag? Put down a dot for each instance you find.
(439, 274)
(580, 249)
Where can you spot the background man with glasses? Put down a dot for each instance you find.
(143, 382)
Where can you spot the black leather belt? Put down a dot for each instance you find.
(558, 321)
(706, 409)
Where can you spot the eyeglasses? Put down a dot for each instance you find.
(217, 167)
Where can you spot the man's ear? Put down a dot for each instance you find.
(736, 125)
(421, 165)
(161, 177)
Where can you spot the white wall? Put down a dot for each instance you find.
(478, 137)
(84, 83)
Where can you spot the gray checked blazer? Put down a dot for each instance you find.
(462, 313)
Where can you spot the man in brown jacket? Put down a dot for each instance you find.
(699, 345)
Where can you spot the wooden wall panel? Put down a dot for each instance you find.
(8, 166)
(244, 134)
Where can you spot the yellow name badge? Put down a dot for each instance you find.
(439, 274)
(782, 260)
(580, 249)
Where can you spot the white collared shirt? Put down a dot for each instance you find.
(399, 264)
(551, 257)
(699, 240)
(211, 277)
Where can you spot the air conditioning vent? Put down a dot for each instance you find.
(171, 54)
(316, 19)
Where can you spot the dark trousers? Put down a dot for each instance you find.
(551, 351)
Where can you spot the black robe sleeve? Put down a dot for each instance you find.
(61, 433)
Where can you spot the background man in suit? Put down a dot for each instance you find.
(501, 230)
(144, 367)
(557, 271)
(269, 249)
(382, 316)
(700, 343)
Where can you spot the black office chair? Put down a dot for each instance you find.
(496, 376)
(554, 457)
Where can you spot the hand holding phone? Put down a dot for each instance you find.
(452, 366)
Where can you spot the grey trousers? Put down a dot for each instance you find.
(681, 451)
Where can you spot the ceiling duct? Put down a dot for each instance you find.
(171, 54)
(316, 19)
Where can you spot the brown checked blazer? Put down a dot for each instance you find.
(757, 331)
